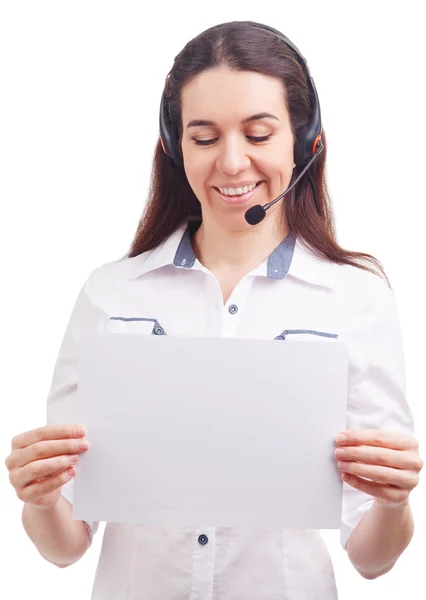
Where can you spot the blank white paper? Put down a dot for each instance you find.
(209, 431)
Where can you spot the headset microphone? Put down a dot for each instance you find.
(257, 213)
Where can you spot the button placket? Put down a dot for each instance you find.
(231, 318)
(234, 308)
(203, 563)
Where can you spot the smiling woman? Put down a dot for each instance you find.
(233, 159)
(239, 115)
(240, 124)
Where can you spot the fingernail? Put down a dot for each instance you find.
(340, 437)
(79, 431)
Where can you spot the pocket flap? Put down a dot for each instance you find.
(310, 335)
(138, 325)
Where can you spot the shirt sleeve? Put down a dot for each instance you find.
(377, 390)
(85, 317)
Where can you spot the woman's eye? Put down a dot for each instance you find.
(264, 138)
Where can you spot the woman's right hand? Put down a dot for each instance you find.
(41, 462)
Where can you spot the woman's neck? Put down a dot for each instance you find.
(227, 251)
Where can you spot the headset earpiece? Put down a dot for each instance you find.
(168, 133)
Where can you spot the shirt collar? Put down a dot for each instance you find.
(291, 257)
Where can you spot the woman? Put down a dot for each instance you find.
(236, 118)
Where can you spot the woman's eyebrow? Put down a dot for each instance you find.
(255, 117)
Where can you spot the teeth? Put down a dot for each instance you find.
(237, 191)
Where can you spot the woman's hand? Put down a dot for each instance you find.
(390, 460)
(42, 460)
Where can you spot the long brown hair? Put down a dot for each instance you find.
(171, 201)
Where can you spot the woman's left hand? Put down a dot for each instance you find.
(390, 460)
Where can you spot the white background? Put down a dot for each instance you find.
(81, 84)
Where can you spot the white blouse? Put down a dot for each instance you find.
(294, 294)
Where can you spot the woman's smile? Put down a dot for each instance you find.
(239, 199)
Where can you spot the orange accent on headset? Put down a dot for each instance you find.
(163, 146)
(314, 147)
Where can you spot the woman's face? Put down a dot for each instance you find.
(232, 156)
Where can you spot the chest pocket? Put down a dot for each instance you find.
(137, 325)
(310, 335)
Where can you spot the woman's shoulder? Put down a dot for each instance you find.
(363, 289)
(362, 279)
(113, 276)
(120, 269)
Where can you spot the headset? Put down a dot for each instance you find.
(308, 144)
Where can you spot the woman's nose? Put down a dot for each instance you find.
(232, 157)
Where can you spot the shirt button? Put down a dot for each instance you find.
(158, 331)
(233, 309)
(279, 337)
(203, 539)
